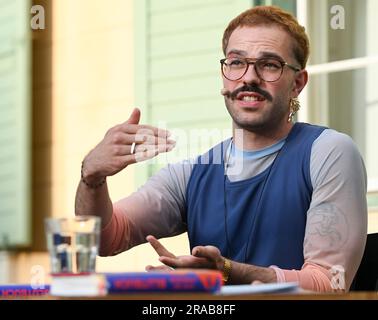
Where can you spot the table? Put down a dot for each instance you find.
(205, 296)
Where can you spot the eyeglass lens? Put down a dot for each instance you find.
(268, 69)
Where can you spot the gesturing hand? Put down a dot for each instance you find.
(204, 257)
(125, 144)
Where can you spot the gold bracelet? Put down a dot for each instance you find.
(226, 269)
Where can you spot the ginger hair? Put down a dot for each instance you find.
(272, 16)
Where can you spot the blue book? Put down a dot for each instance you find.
(22, 290)
(174, 281)
(101, 284)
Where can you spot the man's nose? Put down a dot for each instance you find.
(251, 75)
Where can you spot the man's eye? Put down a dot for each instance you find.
(270, 65)
(236, 63)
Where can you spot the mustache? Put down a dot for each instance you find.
(250, 88)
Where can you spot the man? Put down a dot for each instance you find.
(296, 211)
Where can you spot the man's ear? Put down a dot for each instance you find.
(300, 82)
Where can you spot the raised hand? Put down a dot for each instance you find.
(125, 144)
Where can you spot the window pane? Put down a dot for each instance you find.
(288, 5)
(348, 102)
(342, 30)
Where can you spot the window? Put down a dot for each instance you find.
(343, 68)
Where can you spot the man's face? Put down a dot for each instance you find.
(269, 107)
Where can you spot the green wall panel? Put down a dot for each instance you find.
(179, 45)
(14, 123)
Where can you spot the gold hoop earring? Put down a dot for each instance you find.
(294, 107)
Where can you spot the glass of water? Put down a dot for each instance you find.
(73, 243)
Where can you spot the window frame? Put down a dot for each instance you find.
(326, 69)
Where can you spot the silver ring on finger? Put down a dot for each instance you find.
(132, 151)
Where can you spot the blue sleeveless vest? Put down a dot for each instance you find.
(265, 217)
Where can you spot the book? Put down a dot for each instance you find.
(174, 281)
(22, 290)
(100, 284)
(287, 287)
(78, 285)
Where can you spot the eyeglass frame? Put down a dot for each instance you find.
(249, 62)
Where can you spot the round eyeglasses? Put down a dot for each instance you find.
(267, 69)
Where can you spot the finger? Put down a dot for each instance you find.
(144, 129)
(185, 262)
(134, 117)
(208, 252)
(151, 131)
(122, 143)
(151, 152)
(146, 154)
(150, 268)
(159, 248)
(124, 150)
(151, 149)
(172, 262)
(120, 150)
(151, 139)
(120, 137)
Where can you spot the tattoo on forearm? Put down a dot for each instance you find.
(326, 226)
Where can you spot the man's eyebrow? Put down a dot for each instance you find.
(264, 54)
(238, 52)
(269, 54)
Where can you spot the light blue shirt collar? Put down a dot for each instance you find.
(257, 154)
